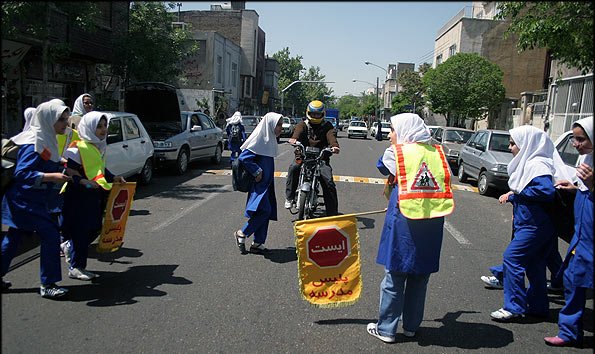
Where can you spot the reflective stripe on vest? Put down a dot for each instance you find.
(423, 178)
(93, 164)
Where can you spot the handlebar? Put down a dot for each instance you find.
(320, 155)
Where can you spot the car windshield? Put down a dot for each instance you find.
(252, 121)
(457, 136)
(385, 125)
(499, 142)
(358, 124)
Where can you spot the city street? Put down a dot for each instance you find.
(180, 285)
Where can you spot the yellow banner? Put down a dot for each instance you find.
(118, 206)
(328, 260)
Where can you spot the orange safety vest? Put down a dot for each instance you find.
(423, 177)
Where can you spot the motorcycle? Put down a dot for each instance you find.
(310, 160)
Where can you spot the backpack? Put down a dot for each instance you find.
(241, 179)
(235, 133)
(10, 151)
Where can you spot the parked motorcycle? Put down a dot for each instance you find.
(310, 160)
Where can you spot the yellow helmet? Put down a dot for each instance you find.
(315, 111)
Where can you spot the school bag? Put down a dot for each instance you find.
(235, 133)
(241, 179)
(10, 151)
(561, 212)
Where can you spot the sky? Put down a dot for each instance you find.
(340, 36)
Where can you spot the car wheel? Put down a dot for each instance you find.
(182, 162)
(216, 159)
(348, 136)
(462, 175)
(482, 184)
(146, 174)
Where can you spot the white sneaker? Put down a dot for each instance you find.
(81, 274)
(373, 331)
(492, 282)
(65, 247)
(503, 315)
(288, 203)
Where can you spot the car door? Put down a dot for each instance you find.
(472, 159)
(195, 137)
(115, 152)
(210, 135)
(134, 147)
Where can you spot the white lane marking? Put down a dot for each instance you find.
(187, 210)
(456, 234)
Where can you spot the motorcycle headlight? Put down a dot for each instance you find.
(162, 144)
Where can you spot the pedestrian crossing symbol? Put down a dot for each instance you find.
(424, 180)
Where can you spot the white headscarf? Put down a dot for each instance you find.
(235, 118)
(57, 101)
(409, 128)
(535, 157)
(587, 125)
(263, 140)
(29, 113)
(41, 132)
(79, 108)
(87, 127)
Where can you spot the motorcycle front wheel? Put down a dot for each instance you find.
(301, 204)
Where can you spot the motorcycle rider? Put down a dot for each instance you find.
(315, 132)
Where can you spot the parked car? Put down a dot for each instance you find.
(343, 123)
(432, 128)
(385, 130)
(287, 130)
(129, 149)
(568, 153)
(485, 157)
(250, 122)
(179, 136)
(357, 128)
(451, 139)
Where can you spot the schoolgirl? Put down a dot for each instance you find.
(83, 197)
(258, 153)
(235, 140)
(25, 204)
(531, 172)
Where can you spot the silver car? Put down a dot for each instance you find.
(485, 157)
(451, 139)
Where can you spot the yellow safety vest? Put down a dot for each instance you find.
(64, 140)
(93, 163)
(423, 177)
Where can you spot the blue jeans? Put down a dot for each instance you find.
(402, 295)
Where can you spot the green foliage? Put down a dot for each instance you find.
(152, 50)
(565, 28)
(349, 105)
(464, 86)
(399, 102)
(412, 90)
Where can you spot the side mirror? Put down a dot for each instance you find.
(480, 147)
(196, 128)
(113, 138)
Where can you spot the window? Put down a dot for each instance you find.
(439, 59)
(206, 122)
(132, 131)
(234, 74)
(219, 69)
(452, 50)
(248, 86)
(568, 153)
(114, 131)
(228, 65)
(194, 121)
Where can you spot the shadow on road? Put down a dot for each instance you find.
(282, 255)
(113, 289)
(112, 257)
(368, 223)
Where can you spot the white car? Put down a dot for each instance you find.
(357, 128)
(129, 147)
(385, 129)
(287, 129)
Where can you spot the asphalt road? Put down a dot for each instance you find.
(180, 285)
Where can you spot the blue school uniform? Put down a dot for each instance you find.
(83, 214)
(534, 237)
(234, 146)
(578, 272)
(409, 250)
(26, 208)
(261, 204)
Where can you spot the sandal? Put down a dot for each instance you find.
(241, 242)
(258, 248)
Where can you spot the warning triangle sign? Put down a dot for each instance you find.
(424, 180)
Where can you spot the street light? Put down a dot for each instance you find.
(376, 108)
(300, 81)
(377, 117)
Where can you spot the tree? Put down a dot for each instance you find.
(349, 106)
(153, 50)
(411, 94)
(465, 86)
(289, 71)
(565, 28)
(313, 91)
